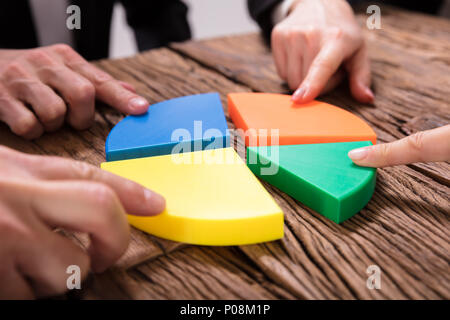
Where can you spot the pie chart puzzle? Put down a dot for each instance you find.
(181, 149)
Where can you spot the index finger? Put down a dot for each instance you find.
(111, 91)
(322, 69)
(108, 89)
(82, 206)
(426, 146)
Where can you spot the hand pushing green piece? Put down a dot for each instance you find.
(321, 176)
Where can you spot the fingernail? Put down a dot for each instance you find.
(138, 104)
(154, 201)
(358, 154)
(298, 94)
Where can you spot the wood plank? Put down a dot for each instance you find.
(191, 273)
(244, 59)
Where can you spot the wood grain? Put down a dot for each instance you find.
(403, 230)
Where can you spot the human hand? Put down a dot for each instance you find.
(57, 83)
(39, 193)
(425, 146)
(313, 41)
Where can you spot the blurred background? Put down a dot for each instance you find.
(208, 18)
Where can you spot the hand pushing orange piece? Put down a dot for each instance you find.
(315, 122)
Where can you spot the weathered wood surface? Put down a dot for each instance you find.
(403, 230)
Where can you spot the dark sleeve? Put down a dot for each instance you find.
(429, 6)
(157, 23)
(261, 12)
(92, 40)
(16, 25)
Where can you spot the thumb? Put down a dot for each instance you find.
(136, 199)
(426, 146)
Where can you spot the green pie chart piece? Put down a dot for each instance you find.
(321, 176)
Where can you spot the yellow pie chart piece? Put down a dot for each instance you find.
(212, 198)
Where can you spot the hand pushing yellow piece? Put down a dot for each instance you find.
(212, 198)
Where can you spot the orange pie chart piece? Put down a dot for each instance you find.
(259, 115)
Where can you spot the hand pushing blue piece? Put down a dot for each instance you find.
(184, 124)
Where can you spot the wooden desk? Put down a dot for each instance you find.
(404, 229)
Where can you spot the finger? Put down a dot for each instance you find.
(77, 91)
(294, 70)
(112, 92)
(39, 254)
(310, 51)
(334, 81)
(107, 88)
(14, 286)
(425, 146)
(358, 67)
(20, 120)
(88, 207)
(23, 85)
(323, 67)
(128, 86)
(295, 62)
(136, 199)
(47, 105)
(279, 52)
(45, 262)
